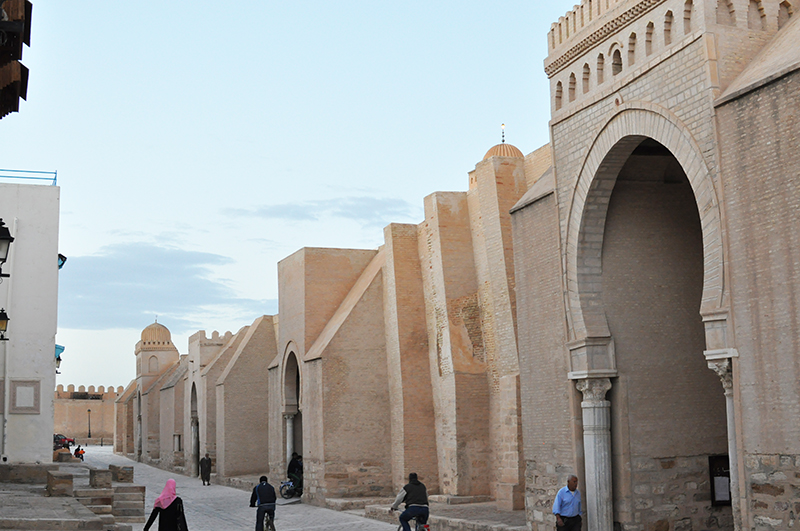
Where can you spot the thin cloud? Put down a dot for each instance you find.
(368, 211)
(126, 284)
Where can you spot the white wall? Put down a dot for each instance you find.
(30, 297)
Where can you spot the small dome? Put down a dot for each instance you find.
(156, 336)
(504, 150)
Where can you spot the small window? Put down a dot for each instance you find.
(632, 49)
(572, 84)
(648, 39)
(616, 62)
(785, 12)
(601, 63)
(587, 73)
(559, 94)
(668, 28)
(726, 14)
(687, 17)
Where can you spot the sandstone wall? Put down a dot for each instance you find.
(760, 161)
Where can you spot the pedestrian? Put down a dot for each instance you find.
(169, 509)
(205, 470)
(264, 498)
(567, 506)
(79, 452)
(295, 470)
(415, 496)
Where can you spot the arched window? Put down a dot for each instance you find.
(726, 14)
(572, 84)
(586, 77)
(756, 19)
(785, 12)
(601, 63)
(668, 28)
(648, 39)
(687, 17)
(616, 62)
(559, 94)
(632, 49)
(152, 364)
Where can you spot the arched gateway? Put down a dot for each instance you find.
(644, 261)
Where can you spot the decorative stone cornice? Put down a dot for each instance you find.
(599, 35)
(594, 389)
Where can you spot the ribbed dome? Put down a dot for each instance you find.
(156, 337)
(503, 150)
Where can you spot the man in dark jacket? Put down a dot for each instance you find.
(415, 496)
(264, 498)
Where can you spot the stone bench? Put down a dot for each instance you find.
(99, 478)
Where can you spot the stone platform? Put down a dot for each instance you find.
(459, 517)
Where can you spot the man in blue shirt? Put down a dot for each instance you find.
(567, 506)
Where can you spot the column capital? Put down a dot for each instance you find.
(288, 416)
(724, 370)
(594, 389)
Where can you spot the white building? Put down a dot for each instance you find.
(30, 297)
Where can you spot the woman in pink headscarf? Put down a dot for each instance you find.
(169, 508)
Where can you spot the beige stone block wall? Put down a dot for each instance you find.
(357, 428)
(550, 405)
(458, 367)
(208, 378)
(71, 417)
(314, 457)
(243, 404)
(409, 369)
(760, 161)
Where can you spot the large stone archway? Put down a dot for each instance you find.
(593, 358)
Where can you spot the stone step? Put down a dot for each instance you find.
(93, 493)
(130, 519)
(41, 524)
(139, 512)
(441, 523)
(129, 496)
(95, 501)
(129, 505)
(122, 489)
(348, 504)
(99, 509)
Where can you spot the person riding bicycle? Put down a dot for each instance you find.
(415, 496)
(295, 470)
(264, 498)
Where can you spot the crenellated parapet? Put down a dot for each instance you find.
(600, 45)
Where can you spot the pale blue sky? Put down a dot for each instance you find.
(199, 143)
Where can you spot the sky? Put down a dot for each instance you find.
(197, 144)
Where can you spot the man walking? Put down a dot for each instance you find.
(567, 506)
(264, 498)
(205, 470)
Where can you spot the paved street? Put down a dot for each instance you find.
(217, 508)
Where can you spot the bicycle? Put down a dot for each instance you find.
(268, 524)
(289, 490)
(417, 526)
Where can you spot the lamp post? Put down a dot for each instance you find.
(89, 411)
(5, 244)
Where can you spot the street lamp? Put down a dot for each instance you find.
(3, 321)
(5, 244)
(89, 411)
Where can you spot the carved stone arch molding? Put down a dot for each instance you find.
(591, 345)
(291, 404)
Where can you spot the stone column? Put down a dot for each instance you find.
(724, 370)
(597, 449)
(289, 436)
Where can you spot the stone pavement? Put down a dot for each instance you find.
(221, 508)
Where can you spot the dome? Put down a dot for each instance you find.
(503, 150)
(156, 336)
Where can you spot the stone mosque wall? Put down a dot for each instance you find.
(619, 305)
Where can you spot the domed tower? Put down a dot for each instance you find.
(155, 351)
